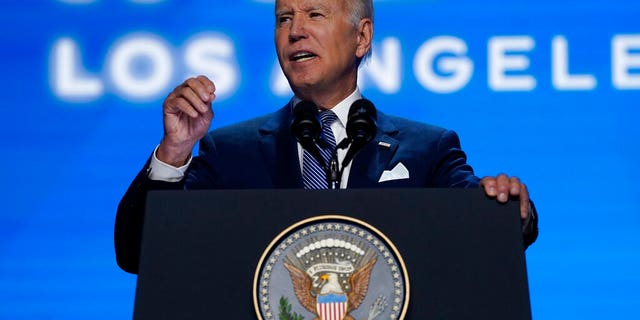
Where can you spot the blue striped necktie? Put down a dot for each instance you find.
(313, 175)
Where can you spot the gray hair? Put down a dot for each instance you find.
(360, 9)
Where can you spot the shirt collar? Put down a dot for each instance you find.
(342, 108)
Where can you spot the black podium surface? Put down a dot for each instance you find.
(463, 252)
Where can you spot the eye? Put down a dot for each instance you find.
(315, 15)
(283, 19)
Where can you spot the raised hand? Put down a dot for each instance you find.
(187, 115)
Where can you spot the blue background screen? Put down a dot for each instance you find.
(545, 90)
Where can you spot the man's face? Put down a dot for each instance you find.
(318, 46)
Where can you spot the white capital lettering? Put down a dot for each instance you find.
(458, 69)
(624, 61)
(214, 56)
(500, 62)
(561, 78)
(138, 50)
(66, 79)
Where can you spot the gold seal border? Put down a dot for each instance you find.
(286, 231)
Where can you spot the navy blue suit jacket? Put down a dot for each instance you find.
(262, 153)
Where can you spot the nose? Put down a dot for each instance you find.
(297, 29)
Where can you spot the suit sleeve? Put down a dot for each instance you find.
(202, 173)
(452, 170)
(530, 226)
(131, 210)
(130, 218)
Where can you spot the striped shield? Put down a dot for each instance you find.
(332, 306)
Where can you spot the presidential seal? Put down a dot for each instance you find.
(331, 268)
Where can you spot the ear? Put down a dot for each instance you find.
(364, 37)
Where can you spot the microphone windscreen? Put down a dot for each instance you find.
(361, 125)
(305, 125)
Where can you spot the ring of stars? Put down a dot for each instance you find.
(362, 234)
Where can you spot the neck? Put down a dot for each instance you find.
(327, 98)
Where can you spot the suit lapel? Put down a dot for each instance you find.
(280, 151)
(374, 158)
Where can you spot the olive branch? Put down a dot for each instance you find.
(285, 311)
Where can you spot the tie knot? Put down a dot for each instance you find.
(327, 117)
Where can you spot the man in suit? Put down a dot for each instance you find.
(320, 45)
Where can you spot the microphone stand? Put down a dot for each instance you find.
(361, 128)
(334, 174)
(334, 170)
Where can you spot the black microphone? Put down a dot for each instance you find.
(305, 125)
(306, 128)
(361, 127)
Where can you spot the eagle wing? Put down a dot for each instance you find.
(359, 282)
(302, 287)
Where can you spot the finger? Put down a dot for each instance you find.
(211, 88)
(524, 202)
(489, 184)
(204, 88)
(514, 186)
(208, 111)
(503, 187)
(169, 105)
(208, 84)
(185, 107)
(207, 115)
(198, 87)
(194, 99)
(201, 94)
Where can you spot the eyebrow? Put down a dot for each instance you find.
(306, 8)
(283, 11)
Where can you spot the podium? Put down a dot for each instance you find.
(463, 252)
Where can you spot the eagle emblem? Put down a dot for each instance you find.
(328, 300)
(331, 268)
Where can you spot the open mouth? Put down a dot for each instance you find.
(302, 56)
